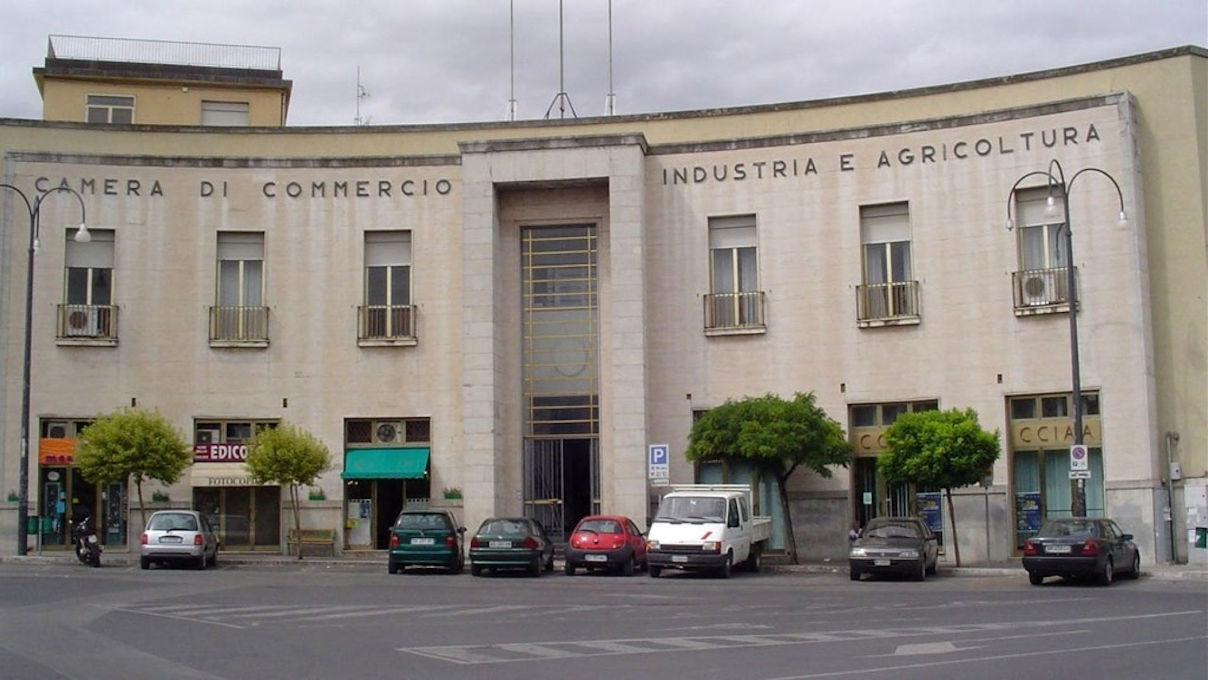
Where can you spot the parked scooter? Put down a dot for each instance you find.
(87, 546)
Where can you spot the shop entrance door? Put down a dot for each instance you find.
(245, 517)
(65, 497)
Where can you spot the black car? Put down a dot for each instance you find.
(902, 546)
(1080, 546)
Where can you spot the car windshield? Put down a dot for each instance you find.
(500, 527)
(421, 521)
(692, 509)
(1072, 528)
(600, 526)
(892, 529)
(172, 522)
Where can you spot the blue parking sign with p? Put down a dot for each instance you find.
(659, 454)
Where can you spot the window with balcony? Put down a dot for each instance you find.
(734, 301)
(239, 316)
(1040, 283)
(106, 108)
(889, 295)
(387, 317)
(87, 313)
(228, 114)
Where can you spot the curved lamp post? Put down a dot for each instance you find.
(1059, 189)
(34, 208)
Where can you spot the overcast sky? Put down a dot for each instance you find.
(437, 61)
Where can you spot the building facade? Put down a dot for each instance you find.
(504, 317)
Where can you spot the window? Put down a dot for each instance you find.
(1042, 253)
(239, 314)
(229, 114)
(888, 290)
(102, 108)
(87, 310)
(387, 312)
(734, 300)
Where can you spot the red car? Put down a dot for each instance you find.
(611, 542)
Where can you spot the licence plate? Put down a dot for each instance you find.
(880, 563)
(596, 558)
(423, 541)
(1057, 549)
(679, 558)
(500, 544)
(169, 539)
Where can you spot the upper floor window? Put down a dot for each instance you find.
(734, 300)
(889, 290)
(107, 108)
(239, 314)
(87, 310)
(230, 114)
(387, 313)
(1043, 258)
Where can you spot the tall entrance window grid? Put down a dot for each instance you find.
(387, 315)
(889, 294)
(1039, 286)
(560, 373)
(734, 301)
(87, 311)
(872, 495)
(239, 315)
(1042, 430)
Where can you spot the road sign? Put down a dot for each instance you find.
(659, 464)
(1080, 474)
(1078, 458)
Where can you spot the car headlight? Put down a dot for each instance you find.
(652, 545)
(909, 554)
(857, 552)
(711, 546)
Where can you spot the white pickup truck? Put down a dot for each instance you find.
(706, 527)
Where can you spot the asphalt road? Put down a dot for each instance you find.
(265, 623)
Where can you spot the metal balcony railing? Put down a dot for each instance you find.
(1041, 289)
(87, 322)
(895, 301)
(239, 325)
(734, 311)
(385, 322)
(133, 50)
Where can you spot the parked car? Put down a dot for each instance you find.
(606, 542)
(178, 536)
(903, 546)
(426, 538)
(1080, 546)
(511, 543)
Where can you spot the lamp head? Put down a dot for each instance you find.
(82, 235)
(1123, 221)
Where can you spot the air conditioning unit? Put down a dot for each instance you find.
(208, 436)
(56, 429)
(388, 432)
(83, 323)
(1036, 292)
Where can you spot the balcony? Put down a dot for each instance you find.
(735, 313)
(895, 303)
(386, 325)
(1041, 291)
(239, 326)
(87, 325)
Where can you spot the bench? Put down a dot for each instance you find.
(314, 542)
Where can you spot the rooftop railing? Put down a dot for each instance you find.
(129, 50)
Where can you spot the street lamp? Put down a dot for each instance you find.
(1059, 189)
(34, 207)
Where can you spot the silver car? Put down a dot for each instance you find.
(178, 536)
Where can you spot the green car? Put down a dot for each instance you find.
(511, 543)
(430, 538)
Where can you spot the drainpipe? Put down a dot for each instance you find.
(1172, 438)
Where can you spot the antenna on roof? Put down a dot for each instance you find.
(610, 101)
(362, 93)
(561, 99)
(512, 104)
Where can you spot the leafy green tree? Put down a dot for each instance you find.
(941, 450)
(776, 436)
(132, 444)
(289, 456)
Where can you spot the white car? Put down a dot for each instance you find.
(178, 536)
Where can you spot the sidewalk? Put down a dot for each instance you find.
(375, 559)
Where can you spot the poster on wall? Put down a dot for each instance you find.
(929, 510)
(1027, 511)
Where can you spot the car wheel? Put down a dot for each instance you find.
(144, 563)
(1106, 575)
(629, 567)
(920, 574)
(214, 558)
(549, 564)
(534, 569)
(935, 567)
(654, 571)
(1035, 578)
(854, 574)
(1135, 572)
(755, 559)
(475, 570)
(727, 567)
(456, 567)
(391, 567)
(200, 564)
(569, 569)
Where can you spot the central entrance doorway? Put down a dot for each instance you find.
(560, 368)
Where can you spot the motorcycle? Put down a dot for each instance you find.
(87, 546)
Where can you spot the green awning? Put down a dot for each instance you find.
(409, 463)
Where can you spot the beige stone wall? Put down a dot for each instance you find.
(161, 104)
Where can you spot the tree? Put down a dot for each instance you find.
(132, 444)
(289, 456)
(777, 436)
(939, 449)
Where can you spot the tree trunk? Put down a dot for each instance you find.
(142, 508)
(790, 539)
(952, 516)
(293, 501)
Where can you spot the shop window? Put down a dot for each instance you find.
(387, 431)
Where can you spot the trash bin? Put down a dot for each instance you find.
(31, 524)
(1201, 537)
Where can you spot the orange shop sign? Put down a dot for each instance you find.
(56, 451)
